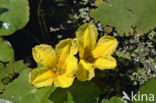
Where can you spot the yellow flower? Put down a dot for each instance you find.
(60, 65)
(94, 55)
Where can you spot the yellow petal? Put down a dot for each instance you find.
(86, 37)
(105, 47)
(44, 54)
(64, 81)
(106, 62)
(85, 71)
(41, 77)
(70, 65)
(74, 47)
(63, 51)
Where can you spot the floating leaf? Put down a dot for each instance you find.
(5, 101)
(113, 100)
(3, 10)
(21, 91)
(69, 98)
(148, 89)
(1, 87)
(14, 67)
(1, 65)
(126, 15)
(9, 72)
(14, 14)
(6, 51)
(79, 92)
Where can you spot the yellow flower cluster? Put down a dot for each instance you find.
(60, 66)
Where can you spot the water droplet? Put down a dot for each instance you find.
(6, 25)
(5, 101)
(110, 5)
(9, 43)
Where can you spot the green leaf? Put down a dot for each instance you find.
(9, 72)
(14, 67)
(79, 92)
(5, 101)
(6, 51)
(59, 0)
(21, 91)
(1, 87)
(113, 100)
(3, 10)
(11, 69)
(69, 98)
(148, 88)
(1, 66)
(125, 15)
(14, 14)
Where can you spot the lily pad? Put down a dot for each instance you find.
(127, 16)
(1, 66)
(113, 100)
(79, 92)
(6, 51)
(5, 101)
(149, 90)
(26, 93)
(9, 72)
(11, 69)
(14, 14)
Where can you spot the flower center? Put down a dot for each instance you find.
(58, 71)
(89, 58)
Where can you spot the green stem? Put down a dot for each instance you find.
(40, 23)
(32, 36)
(45, 28)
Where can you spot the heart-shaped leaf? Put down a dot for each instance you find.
(127, 16)
(14, 14)
(6, 51)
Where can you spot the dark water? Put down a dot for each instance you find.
(55, 14)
